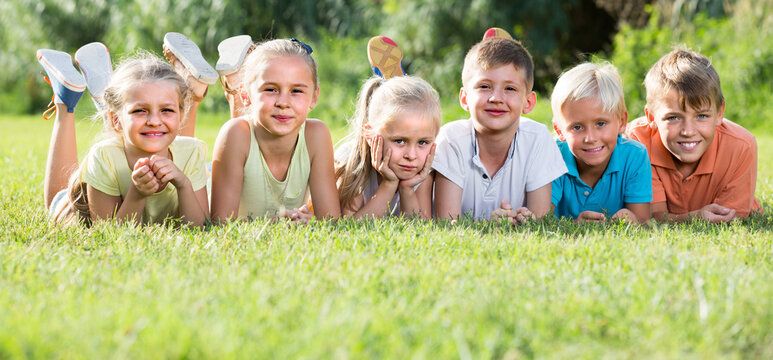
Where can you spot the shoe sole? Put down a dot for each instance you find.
(496, 32)
(58, 65)
(94, 61)
(189, 54)
(232, 52)
(385, 57)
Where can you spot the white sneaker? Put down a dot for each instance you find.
(67, 82)
(94, 61)
(181, 48)
(232, 52)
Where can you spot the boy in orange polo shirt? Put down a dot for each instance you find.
(703, 166)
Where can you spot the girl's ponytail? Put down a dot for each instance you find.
(353, 172)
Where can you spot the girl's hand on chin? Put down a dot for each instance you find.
(423, 173)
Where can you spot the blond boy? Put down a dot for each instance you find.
(703, 166)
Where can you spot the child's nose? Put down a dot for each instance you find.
(154, 118)
(410, 154)
(496, 95)
(283, 100)
(688, 127)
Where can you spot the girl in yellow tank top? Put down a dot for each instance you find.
(265, 162)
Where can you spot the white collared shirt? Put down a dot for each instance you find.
(533, 162)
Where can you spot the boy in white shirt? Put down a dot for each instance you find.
(496, 164)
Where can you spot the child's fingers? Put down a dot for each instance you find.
(505, 204)
(140, 163)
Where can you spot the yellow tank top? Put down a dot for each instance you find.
(264, 195)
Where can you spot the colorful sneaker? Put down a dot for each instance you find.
(94, 61)
(232, 52)
(496, 32)
(67, 82)
(178, 47)
(386, 59)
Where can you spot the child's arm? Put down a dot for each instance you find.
(231, 149)
(322, 184)
(713, 213)
(538, 200)
(378, 204)
(448, 198)
(193, 205)
(415, 202)
(104, 206)
(635, 212)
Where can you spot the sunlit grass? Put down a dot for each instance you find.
(396, 288)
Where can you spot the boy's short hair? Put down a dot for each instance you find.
(494, 52)
(690, 74)
(589, 80)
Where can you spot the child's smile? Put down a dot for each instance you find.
(590, 132)
(685, 132)
(150, 119)
(497, 97)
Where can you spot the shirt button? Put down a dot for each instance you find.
(485, 176)
(586, 193)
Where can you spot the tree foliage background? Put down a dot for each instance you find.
(434, 34)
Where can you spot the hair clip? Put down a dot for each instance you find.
(303, 45)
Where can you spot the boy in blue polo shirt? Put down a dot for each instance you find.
(609, 176)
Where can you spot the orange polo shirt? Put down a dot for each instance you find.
(726, 173)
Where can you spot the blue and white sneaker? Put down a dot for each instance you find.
(386, 58)
(94, 61)
(178, 47)
(232, 52)
(67, 82)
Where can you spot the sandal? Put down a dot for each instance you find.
(386, 58)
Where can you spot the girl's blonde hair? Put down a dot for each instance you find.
(139, 68)
(268, 50)
(379, 102)
(589, 80)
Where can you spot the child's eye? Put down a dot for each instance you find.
(510, 88)
(269, 89)
(169, 110)
(137, 111)
(576, 127)
(483, 86)
(703, 116)
(601, 123)
(671, 118)
(423, 142)
(297, 91)
(399, 141)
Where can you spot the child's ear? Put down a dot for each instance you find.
(314, 99)
(623, 122)
(558, 132)
(115, 120)
(463, 99)
(245, 95)
(650, 117)
(721, 114)
(531, 101)
(368, 133)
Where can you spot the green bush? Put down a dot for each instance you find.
(740, 47)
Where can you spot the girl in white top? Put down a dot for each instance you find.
(145, 173)
(385, 168)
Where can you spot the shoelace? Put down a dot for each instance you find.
(51, 111)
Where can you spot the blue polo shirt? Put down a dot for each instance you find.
(627, 179)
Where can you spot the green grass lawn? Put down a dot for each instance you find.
(373, 289)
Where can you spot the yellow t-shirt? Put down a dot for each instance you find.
(264, 195)
(106, 169)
